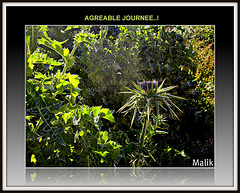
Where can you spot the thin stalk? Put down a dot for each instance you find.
(66, 61)
(74, 49)
(64, 69)
(144, 131)
(70, 56)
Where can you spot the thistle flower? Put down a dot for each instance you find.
(148, 85)
(154, 98)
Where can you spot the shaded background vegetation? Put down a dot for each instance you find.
(106, 60)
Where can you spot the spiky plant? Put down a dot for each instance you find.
(145, 97)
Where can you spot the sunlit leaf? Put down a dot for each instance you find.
(107, 114)
(73, 79)
(66, 52)
(33, 159)
(103, 154)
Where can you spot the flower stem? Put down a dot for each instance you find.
(144, 131)
(68, 60)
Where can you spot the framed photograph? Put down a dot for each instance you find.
(120, 96)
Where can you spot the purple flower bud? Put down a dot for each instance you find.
(148, 84)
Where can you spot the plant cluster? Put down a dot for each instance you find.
(79, 79)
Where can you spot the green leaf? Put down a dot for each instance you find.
(29, 71)
(107, 114)
(81, 133)
(66, 52)
(139, 88)
(33, 159)
(96, 110)
(39, 58)
(73, 79)
(177, 97)
(103, 137)
(54, 45)
(174, 105)
(67, 116)
(166, 89)
(128, 103)
(160, 87)
(103, 154)
(113, 145)
(170, 109)
(74, 91)
(72, 27)
(135, 112)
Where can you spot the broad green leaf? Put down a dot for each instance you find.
(81, 133)
(113, 145)
(66, 52)
(67, 116)
(54, 62)
(96, 110)
(85, 110)
(73, 79)
(103, 154)
(33, 159)
(56, 46)
(39, 58)
(62, 83)
(39, 75)
(107, 114)
(74, 92)
(103, 137)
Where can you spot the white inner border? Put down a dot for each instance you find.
(4, 46)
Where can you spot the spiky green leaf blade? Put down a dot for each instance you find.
(174, 105)
(134, 114)
(138, 88)
(173, 96)
(131, 99)
(166, 89)
(170, 109)
(161, 85)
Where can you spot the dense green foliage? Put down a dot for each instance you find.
(75, 77)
